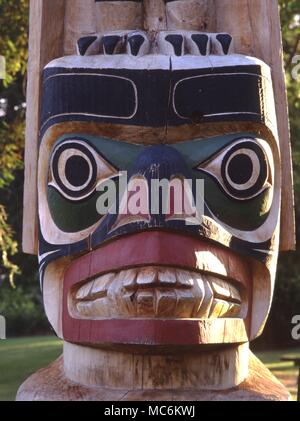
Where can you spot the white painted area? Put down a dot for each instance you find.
(188, 62)
(158, 61)
(118, 61)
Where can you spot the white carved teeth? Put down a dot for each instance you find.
(129, 277)
(156, 292)
(194, 43)
(186, 303)
(167, 276)
(135, 43)
(96, 288)
(113, 44)
(199, 286)
(145, 303)
(138, 44)
(204, 310)
(185, 278)
(198, 44)
(221, 44)
(147, 276)
(88, 45)
(172, 43)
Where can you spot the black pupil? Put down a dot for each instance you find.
(240, 169)
(77, 171)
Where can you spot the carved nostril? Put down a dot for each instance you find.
(111, 44)
(135, 43)
(85, 45)
(202, 43)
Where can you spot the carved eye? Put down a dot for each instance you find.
(242, 169)
(76, 169)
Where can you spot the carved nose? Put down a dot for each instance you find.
(155, 163)
(159, 162)
(157, 200)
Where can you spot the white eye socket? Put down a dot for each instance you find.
(242, 169)
(76, 169)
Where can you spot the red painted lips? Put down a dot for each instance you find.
(153, 248)
(157, 248)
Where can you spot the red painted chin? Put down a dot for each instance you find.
(153, 248)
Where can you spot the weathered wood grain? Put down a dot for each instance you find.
(255, 26)
(45, 44)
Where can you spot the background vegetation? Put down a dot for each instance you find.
(20, 299)
(21, 357)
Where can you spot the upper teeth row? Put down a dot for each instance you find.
(137, 43)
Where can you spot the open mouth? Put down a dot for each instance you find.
(157, 292)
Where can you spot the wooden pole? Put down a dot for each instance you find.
(255, 26)
(45, 44)
(120, 15)
(57, 24)
(155, 18)
(194, 15)
(80, 20)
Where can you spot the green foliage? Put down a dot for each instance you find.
(13, 36)
(13, 46)
(286, 301)
(23, 310)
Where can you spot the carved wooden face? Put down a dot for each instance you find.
(149, 277)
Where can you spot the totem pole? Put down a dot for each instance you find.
(152, 305)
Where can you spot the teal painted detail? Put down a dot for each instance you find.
(120, 154)
(76, 216)
(198, 151)
(242, 215)
(72, 216)
(123, 154)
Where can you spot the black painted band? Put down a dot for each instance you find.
(141, 97)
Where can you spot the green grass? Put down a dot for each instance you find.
(19, 358)
(285, 371)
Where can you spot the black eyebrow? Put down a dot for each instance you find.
(197, 96)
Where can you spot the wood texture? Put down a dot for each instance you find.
(51, 384)
(192, 15)
(119, 15)
(56, 25)
(154, 15)
(255, 26)
(45, 43)
(80, 19)
(180, 371)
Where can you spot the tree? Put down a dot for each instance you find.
(13, 46)
(286, 301)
